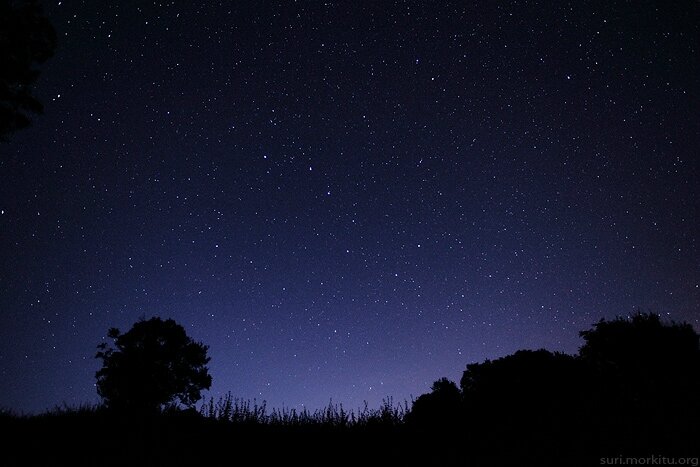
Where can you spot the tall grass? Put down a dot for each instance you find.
(63, 410)
(83, 409)
(246, 412)
(243, 412)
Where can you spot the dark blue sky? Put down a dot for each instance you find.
(348, 200)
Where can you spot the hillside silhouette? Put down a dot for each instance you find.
(632, 391)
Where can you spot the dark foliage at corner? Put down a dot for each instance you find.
(26, 38)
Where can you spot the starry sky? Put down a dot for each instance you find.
(347, 200)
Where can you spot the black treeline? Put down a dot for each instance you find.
(632, 391)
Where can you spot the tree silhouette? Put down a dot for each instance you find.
(153, 365)
(531, 391)
(638, 343)
(439, 409)
(647, 375)
(644, 359)
(26, 38)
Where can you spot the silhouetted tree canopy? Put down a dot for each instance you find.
(534, 390)
(647, 373)
(26, 38)
(640, 343)
(633, 387)
(644, 357)
(438, 409)
(523, 371)
(153, 365)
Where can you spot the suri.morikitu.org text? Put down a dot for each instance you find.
(649, 460)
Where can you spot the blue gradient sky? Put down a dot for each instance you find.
(347, 200)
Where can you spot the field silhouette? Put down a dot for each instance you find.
(632, 391)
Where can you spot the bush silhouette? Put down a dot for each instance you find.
(641, 347)
(632, 391)
(27, 38)
(439, 409)
(646, 376)
(153, 365)
(524, 395)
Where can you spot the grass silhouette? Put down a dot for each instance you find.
(630, 393)
(246, 412)
(221, 432)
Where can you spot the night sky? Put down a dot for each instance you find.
(348, 200)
